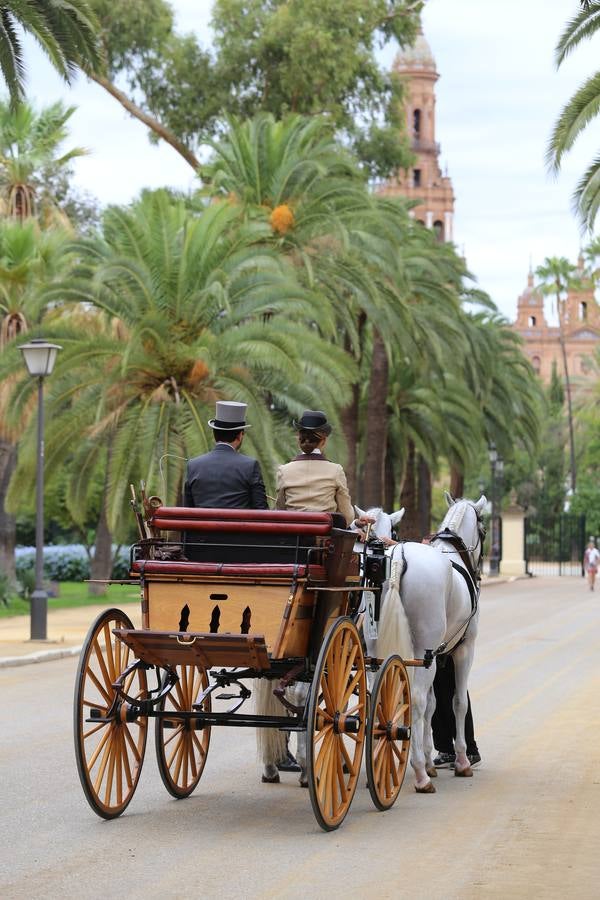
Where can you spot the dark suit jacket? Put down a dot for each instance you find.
(224, 479)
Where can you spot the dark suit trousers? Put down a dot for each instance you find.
(442, 723)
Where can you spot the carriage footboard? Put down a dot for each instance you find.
(174, 648)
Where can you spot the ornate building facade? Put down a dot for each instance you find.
(581, 330)
(424, 181)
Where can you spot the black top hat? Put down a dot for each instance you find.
(313, 420)
(229, 416)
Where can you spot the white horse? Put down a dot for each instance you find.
(429, 606)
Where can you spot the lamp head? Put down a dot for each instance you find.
(39, 356)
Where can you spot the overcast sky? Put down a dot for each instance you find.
(497, 98)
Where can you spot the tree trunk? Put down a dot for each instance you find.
(389, 498)
(561, 339)
(148, 120)
(424, 497)
(410, 524)
(350, 426)
(101, 566)
(457, 483)
(8, 462)
(377, 426)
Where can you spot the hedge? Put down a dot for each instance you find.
(68, 562)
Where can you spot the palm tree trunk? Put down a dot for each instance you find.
(408, 498)
(457, 483)
(561, 340)
(424, 497)
(101, 566)
(148, 120)
(377, 425)
(350, 427)
(8, 526)
(389, 497)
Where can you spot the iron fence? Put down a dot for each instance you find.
(555, 546)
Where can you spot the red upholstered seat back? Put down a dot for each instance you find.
(258, 521)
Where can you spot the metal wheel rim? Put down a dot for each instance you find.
(109, 755)
(339, 686)
(387, 759)
(181, 750)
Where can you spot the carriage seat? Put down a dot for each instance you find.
(245, 570)
(247, 536)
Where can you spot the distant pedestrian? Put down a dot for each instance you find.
(591, 559)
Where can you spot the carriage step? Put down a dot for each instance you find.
(228, 697)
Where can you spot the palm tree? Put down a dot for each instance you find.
(293, 176)
(30, 260)
(580, 110)
(557, 275)
(66, 32)
(30, 157)
(184, 310)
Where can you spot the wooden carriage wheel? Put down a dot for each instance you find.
(337, 712)
(181, 746)
(388, 732)
(109, 753)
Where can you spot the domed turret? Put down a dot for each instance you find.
(419, 56)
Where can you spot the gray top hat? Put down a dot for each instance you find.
(229, 416)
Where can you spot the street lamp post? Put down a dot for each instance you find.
(497, 467)
(39, 357)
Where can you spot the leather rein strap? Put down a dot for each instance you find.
(472, 580)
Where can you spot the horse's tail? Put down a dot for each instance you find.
(394, 631)
(271, 744)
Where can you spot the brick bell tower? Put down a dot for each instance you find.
(424, 180)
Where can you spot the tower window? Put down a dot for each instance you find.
(416, 178)
(583, 310)
(531, 321)
(417, 123)
(438, 227)
(536, 363)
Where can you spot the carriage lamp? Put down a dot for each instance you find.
(497, 469)
(39, 357)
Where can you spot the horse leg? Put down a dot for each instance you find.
(463, 658)
(428, 735)
(422, 685)
(271, 744)
(300, 696)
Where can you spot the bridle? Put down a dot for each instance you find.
(459, 546)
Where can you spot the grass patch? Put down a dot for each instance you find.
(75, 593)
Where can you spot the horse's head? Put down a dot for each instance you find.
(464, 518)
(384, 522)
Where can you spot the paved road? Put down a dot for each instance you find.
(527, 825)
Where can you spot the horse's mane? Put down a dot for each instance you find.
(455, 515)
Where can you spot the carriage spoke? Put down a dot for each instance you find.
(98, 684)
(108, 648)
(350, 689)
(321, 734)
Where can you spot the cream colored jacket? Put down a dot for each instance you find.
(314, 484)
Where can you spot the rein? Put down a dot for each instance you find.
(472, 578)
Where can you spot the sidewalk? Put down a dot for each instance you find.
(67, 629)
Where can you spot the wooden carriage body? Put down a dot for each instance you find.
(249, 586)
(230, 597)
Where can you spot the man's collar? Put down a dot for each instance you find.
(225, 444)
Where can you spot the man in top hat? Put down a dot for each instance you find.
(225, 478)
(310, 481)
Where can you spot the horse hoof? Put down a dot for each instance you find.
(271, 779)
(431, 771)
(464, 773)
(303, 784)
(427, 789)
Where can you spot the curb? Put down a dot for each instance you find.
(43, 656)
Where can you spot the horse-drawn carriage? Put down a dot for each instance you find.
(230, 597)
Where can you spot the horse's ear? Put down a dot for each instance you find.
(481, 504)
(396, 516)
(449, 498)
(359, 512)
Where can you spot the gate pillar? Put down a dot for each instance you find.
(513, 540)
